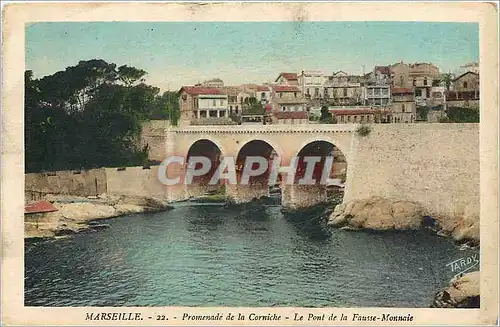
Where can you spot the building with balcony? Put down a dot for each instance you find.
(342, 89)
(196, 102)
(376, 95)
(311, 84)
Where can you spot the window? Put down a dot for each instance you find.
(425, 81)
(403, 107)
(418, 92)
(362, 118)
(348, 118)
(401, 81)
(222, 102)
(214, 103)
(345, 91)
(326, 92)
(284, 108)
(295, 94)
(263, 95)
(385, 91)
(414, 82)
(316, 92)
(465, 85)
(213, 113)
(355, 118)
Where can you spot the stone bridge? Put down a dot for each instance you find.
(435, 164)
(285, 141)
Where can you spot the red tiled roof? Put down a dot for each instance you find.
(285, 88)
(400, 90)
(40, 206)
(462, 75)
(351, 112)
(262, 88)
(197, 90)
(291, 115)
(288, 76)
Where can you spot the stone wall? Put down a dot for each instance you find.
(135, 181)
(74, 182)
(472, 104)
(434, 164)
(153, 135)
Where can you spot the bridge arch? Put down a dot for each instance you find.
(337, 174)
(219, 143)
(271, 143)
(204, 147)
(257, 148)
(341, 146)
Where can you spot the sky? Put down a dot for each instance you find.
(185, 53)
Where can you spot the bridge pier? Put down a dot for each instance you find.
(246, 193)
(302, 196)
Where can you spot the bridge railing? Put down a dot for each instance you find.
(269, 128)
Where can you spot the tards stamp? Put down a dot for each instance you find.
(464, 264)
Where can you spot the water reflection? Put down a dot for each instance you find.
(251, 255)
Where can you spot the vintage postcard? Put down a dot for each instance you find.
(299, 163)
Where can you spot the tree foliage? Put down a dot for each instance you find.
(87, 116)
(326, 116)
(253, 106)
(461, 115)
(446, 79)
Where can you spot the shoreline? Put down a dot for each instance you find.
(81, 214)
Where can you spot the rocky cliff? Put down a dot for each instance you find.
(463, 292)
(379, 213)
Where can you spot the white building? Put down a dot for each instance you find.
(311, 83)
(377, 95)
(202, 102)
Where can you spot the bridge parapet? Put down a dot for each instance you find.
(264, 129)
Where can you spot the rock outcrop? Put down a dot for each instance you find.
(77, 214)
(463, 228)
(463, 292)
(377, 213)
